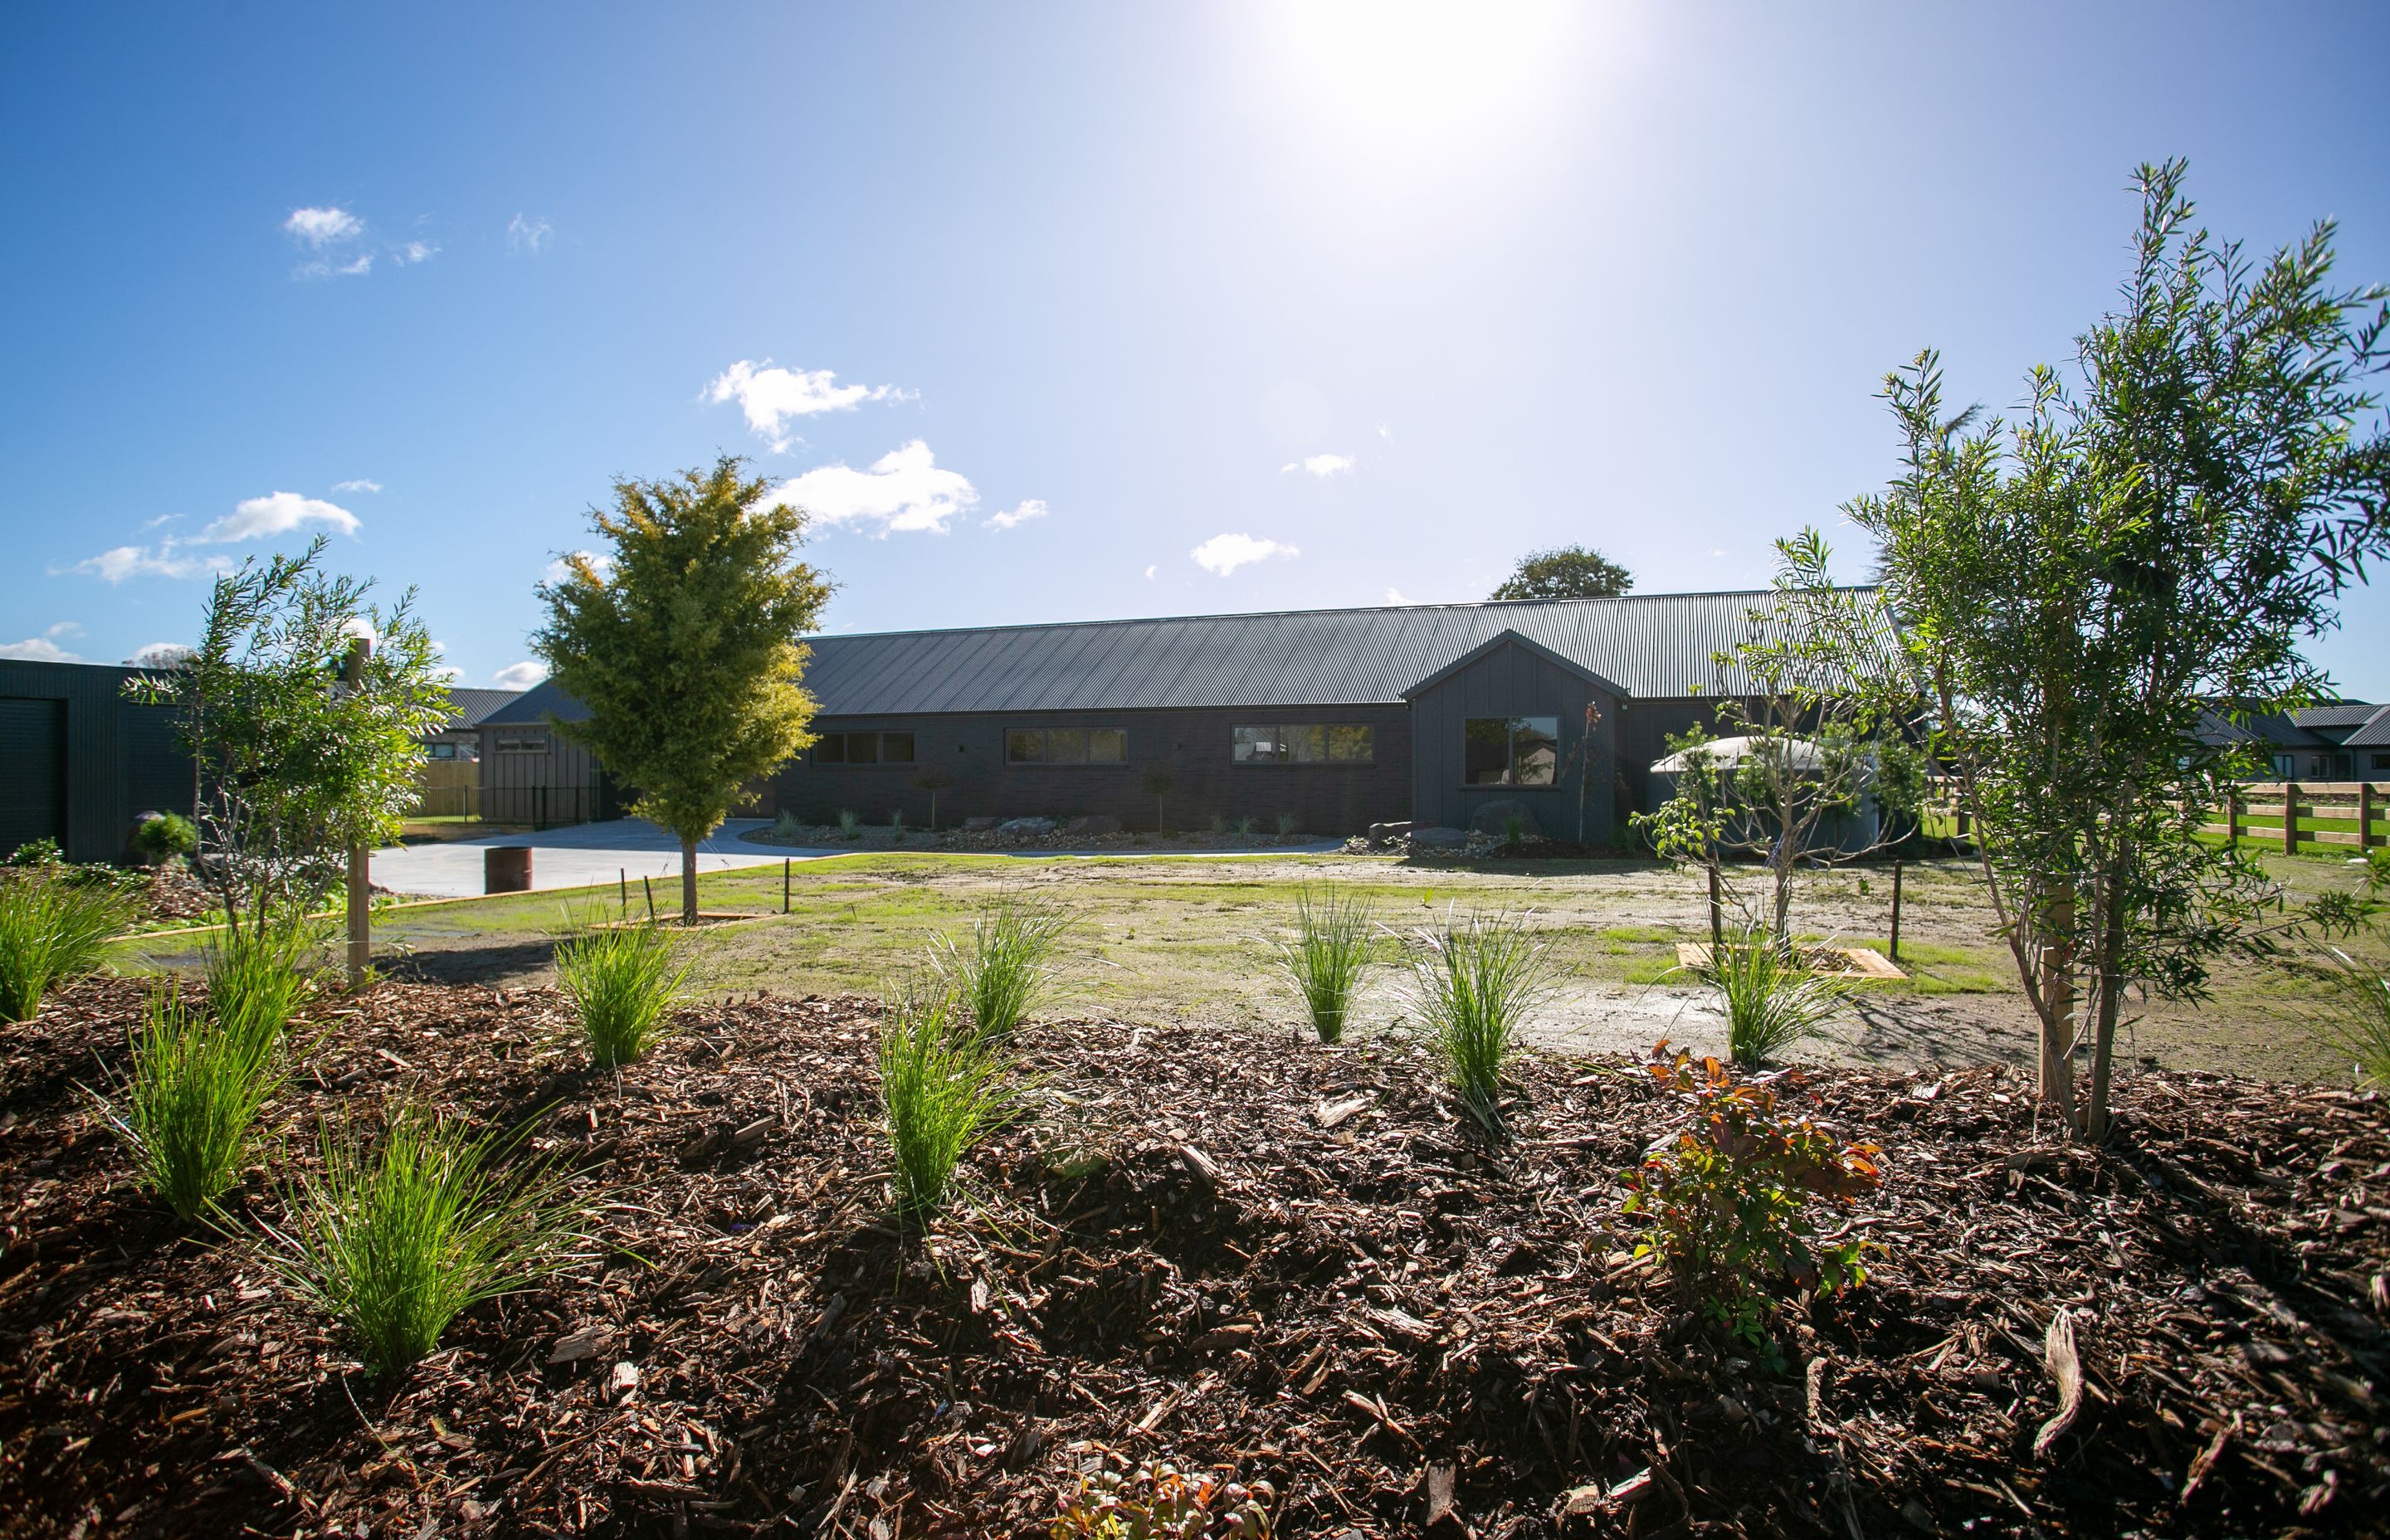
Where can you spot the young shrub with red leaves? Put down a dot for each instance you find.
(1729, 1201)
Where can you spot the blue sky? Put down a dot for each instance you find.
(1074, 312)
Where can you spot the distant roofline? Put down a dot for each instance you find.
(1280, 614)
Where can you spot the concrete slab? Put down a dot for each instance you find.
(580, 855)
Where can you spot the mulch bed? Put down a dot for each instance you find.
(1214, 1247)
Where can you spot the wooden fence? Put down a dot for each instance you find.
(448, 789)
(2287, 812)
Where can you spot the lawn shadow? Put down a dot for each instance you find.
(510, 962)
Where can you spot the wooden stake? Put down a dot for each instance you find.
(1895, 910)
(786, 864)
(1717, 920)
(353, 674)
(2365, 815)
(650, 884)
(622, 885)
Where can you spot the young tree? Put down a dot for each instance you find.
(292, 763)
(1566, 573)
(685, 647)
(2075, 590)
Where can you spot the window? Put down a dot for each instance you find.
(864, 749)
(535, 743)
(2382, 762)
(1066, 746)
(1511, 750)
(1305, 743)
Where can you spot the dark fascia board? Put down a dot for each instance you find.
(1511, 639)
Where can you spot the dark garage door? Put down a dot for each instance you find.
(33, 772)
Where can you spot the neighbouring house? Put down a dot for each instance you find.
(1335, 719)
(2336, 741)
(79, 763)
(461, 736)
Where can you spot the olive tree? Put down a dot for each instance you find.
(685, 645)
(2076, 588)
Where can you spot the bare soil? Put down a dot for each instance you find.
(1232, 1249)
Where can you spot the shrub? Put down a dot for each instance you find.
(1219, 824)
(1152, 1503)
(52, 931)
(1474, 985)
(1515, 830)
(38, 855)
(1009, 967)
(1728, 1200)
(394, 1241)
(623, 982)
(1286, 826)
(941, 1088)
(165, 837)
(1327, 955)
(785, 826)
(2358, 1021)
(1770, 1001)
(187, 1108)
(258, 976)
(849, 822)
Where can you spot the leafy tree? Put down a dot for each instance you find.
(2075, 589)
(686, 648)
(1566, 573)
(291, 765)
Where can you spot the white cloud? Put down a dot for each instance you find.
(1395, 596)
(519, 676)
(317, 229)
(1149, 571)
(557, 572)
(413, 252)
(524, 234)
(769, 396)
(449, 672)
(360, 484)
(164, 560)
(1225, 553)
(1320, 465)
(904, 490)
(161, 519)
(1385, 432)
(160, 655)
(359, 268)
(1012, 519)
(44, 648)
(278, 513)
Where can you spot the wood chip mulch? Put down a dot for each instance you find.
(1212, 1247)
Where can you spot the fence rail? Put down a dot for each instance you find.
(2289, 811)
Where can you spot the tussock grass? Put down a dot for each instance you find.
(1769, 1002)
(1008, 969)
(2358, 1020)
(944, 1087)
(187, 1108)
(1328, 955)
(1474, 983)
(259, 977)
(624, 982)
(399, 1236)
(52, 931)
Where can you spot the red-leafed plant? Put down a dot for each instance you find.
(1732, 1200)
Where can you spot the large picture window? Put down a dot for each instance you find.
(1305, 743)
(1066, 746)
(1511, 750)
(864, 749)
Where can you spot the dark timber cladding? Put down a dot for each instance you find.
(79, 763)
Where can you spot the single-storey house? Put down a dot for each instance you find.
(2334, 740)
(459, 737)
(1335, 719)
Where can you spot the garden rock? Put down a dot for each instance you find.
(1093, 823)
(1496, 818)
(1381, 834)
(1026, 828)
(979, 825)
(1437, 837)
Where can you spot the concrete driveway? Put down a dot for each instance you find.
(580, 855)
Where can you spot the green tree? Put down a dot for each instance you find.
(291, 763)
(686, 646)
(2075, 590)
(1566, 573)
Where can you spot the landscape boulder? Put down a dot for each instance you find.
(979, 825)
(1093, 823)
(1495, 819)
(1437, 837)
(1026, 828)
(1381, 834)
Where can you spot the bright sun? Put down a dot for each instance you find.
(1420, 71)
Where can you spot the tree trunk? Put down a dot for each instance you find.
(687, 879)
(2108, 988)
(2057, 912)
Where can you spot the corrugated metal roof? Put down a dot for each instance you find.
(2339, 713)
(2375, 734)
(534, 706)
(467, 708)
(1653, 645)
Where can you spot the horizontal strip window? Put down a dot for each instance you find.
(1307, 743)
(864, 749)
(1066, 746)
(1511, 750)
(534, 744)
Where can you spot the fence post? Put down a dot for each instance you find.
(2289, 817)
(2232, 817)
(2364, 815)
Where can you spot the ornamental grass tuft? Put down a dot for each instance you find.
(1474, 983)
(624, 982)
(1007, 967)
(187, 1108)
(259, 976)
(399, 1236)
(944, 1087)
(1328, 955)
(53, 930)
(1770, 1001)
(2358, 1021)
